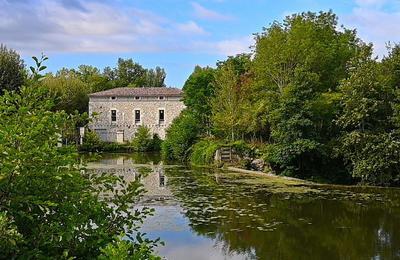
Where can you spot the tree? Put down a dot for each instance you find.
(70, 92)
(155, 77)
(12, 70)
(198, 92)
(371, 140)
(51, 206)
(231, 93)
(298, 66)
(131, 74)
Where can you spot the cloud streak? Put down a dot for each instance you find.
(207, 14)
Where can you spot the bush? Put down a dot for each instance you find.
(203, 152)
(181, 135)
(51, 208)
(157, 142)
(142, 141)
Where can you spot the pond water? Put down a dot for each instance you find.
(213, 214)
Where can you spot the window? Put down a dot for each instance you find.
(161, 98)
(161, 116)
(113, 98)
(137, 116)
(113, 115)
(137, 98)
(162, 180)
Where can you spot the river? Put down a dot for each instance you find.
(212, 214)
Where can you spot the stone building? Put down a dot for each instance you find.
(117, 113)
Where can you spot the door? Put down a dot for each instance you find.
(120, 136)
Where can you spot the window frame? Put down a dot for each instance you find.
(113, 116)
(137, 122)
(159, 116)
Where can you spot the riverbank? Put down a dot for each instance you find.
(269, 175)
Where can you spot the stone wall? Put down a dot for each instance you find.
(125, 106)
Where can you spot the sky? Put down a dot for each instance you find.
(174, 34)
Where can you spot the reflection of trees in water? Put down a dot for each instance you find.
(253, 221)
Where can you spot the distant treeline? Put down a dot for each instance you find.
(72, 86)
(311, 99)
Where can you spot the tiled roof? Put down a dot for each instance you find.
(141, 92)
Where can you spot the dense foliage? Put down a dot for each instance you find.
(311, 97)
(12, 70)
(195, 119)
(51, 207)
(180, 137)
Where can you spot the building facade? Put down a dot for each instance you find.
(118, 113)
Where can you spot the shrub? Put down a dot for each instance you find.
(51, 207)
(142, 141)
(157, 142)
(203, 152)
(181, 135)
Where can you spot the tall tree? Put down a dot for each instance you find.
(155, 77)
(69, 91)
(131, 74)
(231, 93)
(298, 66)
(198, 92)
(12, 70)
(371, 140)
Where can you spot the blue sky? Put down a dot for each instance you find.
(173, 34)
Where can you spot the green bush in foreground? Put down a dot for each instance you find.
(50, 206)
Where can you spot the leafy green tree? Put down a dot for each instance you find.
(198, 92)
(155, 77)
(12, 70)
(70, 92)
(131, 74)
(232, 90)
(298, 66)
(51, 207)
(371, 141)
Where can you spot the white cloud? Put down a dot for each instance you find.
(191, 27)
(207, 14)
(228, 47)
(376, 21)
(92, 26)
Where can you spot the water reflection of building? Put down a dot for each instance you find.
(152, 177)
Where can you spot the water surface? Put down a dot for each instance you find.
(212, 214)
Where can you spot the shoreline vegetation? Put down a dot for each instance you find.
(311, 101)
